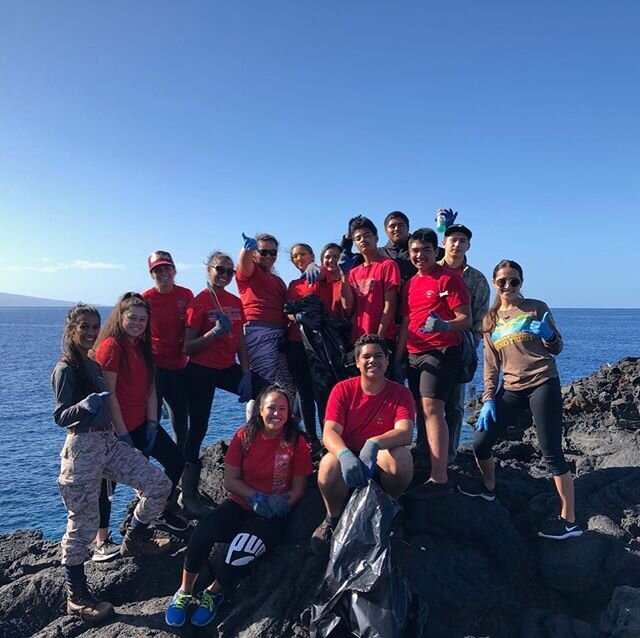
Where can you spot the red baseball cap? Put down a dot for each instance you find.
(159, 258)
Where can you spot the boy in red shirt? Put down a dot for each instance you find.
(368, 426)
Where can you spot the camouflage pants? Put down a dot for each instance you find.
(85, 460)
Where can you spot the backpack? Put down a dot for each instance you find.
(468, 358)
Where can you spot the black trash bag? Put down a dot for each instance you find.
(363, 593)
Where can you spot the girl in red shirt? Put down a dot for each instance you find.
(265, 472)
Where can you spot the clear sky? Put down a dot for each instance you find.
(131, 126)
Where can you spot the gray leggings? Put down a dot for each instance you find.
(545, 403)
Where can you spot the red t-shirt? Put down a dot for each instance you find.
(370, 282)
(263, 296)
(336, 309)
(440, 290)
(132, 385)
(168, 312)
(269, 464)
(221, 352)
(363, 415)
(298, 289)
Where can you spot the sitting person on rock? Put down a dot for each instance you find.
(90, 454)
(265, 472)
(367, 430)
(520, 339)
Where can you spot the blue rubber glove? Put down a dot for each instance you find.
(245, 387)
(249, 243)
(126, 438)
(150, 436)
(93, 402)
(312, 274)
(434, 324)
(223, 325)
(279, 504)
(353, 471)
(542, 328)
(260, 505)
(487, 414)
(345, 262)
(369, 455)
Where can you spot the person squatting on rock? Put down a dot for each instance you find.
(520, 340)
(92, 453)
(168, 303)
(123, 351)
(265, 472)
(435, 309)
(367, 431)
(213, 340)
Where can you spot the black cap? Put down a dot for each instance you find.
(458, 228)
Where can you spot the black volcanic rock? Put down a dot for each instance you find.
(479, 566)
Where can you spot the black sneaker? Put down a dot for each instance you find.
(477, 489)
(168, 522)
(321, 537)
(560, 529)
(429, 490)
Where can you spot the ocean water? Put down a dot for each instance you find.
(30, 442)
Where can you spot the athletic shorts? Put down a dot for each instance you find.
(432, 373)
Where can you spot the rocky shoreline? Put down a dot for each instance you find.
(479, 566)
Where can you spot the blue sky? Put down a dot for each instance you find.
(127, 127)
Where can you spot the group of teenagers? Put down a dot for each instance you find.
(407, 305)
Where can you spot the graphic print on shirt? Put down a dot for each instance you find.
(243, 549)
(508, 331)
(281, 463)
(364, 287)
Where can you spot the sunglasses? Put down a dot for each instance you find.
(272, 252)
(514, 282)
(221, 270)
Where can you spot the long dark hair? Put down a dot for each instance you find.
(491, 318)
(256, 424)
(113, 327)
(71, 354)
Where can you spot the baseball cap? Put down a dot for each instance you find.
(160, 258)
(458, 228)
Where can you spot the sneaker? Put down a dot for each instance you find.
(139, 542)
(176, 614)
(81, 602)
(321, 537)
(431, 489)
(208, 604)
(168, 522)
(560, 529)
(107, 550)
(477, 489)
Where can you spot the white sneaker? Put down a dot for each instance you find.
(107, 550)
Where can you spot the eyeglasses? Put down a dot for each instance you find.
(272, 252)
(514, 282)
(221, 270)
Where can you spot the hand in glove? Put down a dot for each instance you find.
(345, 262)
(542, 328)
(353, 471)
(126, 438)
(93, 401)
(260, 505)
(249, 243)
(223, 325)
(369, 455)
(312, 274)
(434, 324)
(150, 436)
(398, 371)
(245, 387)
(279, 504)
(487, 414)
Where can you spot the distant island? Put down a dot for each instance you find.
(7, 299)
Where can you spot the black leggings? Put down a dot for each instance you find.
(201, 387)
(545, 403)
(249, 537)
(165, 451)
(299, 368)
(171, 387)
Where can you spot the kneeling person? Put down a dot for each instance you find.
(368, 426)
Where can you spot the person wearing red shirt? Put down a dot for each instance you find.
(168, 303)
(213, 340)
(341, 293)
(265, 473)
(123, 351)
(368, 427)
(435, 310)
(263, 296)
(375, 285)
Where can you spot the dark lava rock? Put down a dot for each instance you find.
(481, 567)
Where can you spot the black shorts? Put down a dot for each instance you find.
(432, 374)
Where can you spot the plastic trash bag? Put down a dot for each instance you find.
(363, 593)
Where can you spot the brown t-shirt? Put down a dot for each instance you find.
(526, 360)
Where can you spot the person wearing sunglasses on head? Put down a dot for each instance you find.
(213, 340)
(520, 340)
(263, 296)
(168, 303)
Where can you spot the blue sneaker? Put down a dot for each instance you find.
(176, 614)
(208, 604)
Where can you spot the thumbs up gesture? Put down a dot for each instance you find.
(542, 328)
(434, 324)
